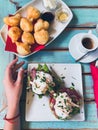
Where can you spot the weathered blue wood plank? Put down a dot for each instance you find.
(3, 63)
(81, 2)
(82, 16)
(54, 57)
(88, 87)
(22, 2)
(5, 58)
(68, 2)
(62, 41)
(5, 9)
(90, 122)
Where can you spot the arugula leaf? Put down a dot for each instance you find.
(40, 95)
(45, 68)
(39, 68)
(75, 110)
(57, 80)
(28, 81)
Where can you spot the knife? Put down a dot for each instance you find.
(85, 55)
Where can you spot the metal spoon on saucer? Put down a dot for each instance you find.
(89, 52)
(85, 55)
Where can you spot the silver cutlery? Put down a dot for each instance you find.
(85, 55)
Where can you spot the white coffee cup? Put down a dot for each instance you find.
(88, 42)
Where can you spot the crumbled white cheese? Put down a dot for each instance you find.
(40, 82)
(63, 105)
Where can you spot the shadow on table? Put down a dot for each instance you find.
(74, 20)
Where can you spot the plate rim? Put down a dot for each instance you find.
(82, 91)
(21, 9)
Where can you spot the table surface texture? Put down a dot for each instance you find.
(85, 18)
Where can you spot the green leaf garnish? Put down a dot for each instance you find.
(45, 68)
(39, 68)
(40, 96)
(75, 110)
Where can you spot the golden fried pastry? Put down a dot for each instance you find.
(26, 25)
(12, 20)
(33, 13)
(46, 25)
(28, 38)
(14, 33)
(23, 49)
(40, 24)
(41, 37)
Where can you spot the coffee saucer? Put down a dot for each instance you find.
(76, 53)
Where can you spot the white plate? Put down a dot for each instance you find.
(55, 29)
(76, 53)
(37, 109)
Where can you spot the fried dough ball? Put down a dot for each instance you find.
(23, 49)
(14, 33)
(40, 24)
(28, 38)
(26, 25)
(46, 25)
(33, 13)
(12, 20)
(41, 37)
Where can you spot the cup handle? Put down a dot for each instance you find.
(90, 32)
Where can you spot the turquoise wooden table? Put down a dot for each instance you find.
(85, 18)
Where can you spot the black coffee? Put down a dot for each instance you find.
(88, 43)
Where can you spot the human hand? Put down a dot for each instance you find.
(13, 82)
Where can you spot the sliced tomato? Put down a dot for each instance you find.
(52, 100)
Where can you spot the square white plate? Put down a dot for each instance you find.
(37, 109)
(56, 27)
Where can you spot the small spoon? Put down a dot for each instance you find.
(85, 55)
